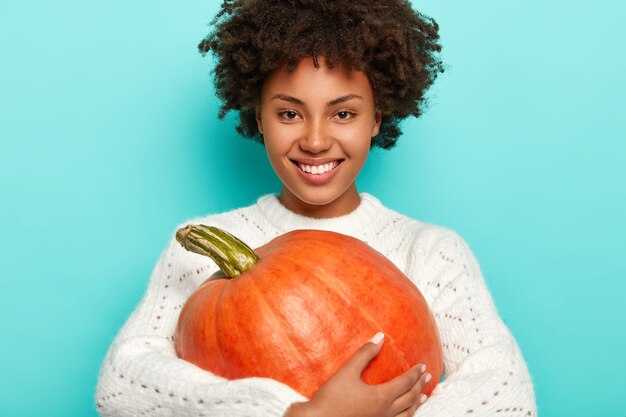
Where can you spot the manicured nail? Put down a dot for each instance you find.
(423, 398)
(422, 368)
(378, 337)
(428, 378)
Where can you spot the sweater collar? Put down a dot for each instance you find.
(285, 220)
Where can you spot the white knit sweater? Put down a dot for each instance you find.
(485, 373)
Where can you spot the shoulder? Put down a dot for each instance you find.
(175, 259)
(224, 219)
(409, 241)
(412, 232)
(436, 258)
(247, 223)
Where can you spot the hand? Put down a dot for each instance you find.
(346, 395)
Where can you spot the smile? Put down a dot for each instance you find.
(317, 169)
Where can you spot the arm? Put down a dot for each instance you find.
(141, 374)
(486, 374)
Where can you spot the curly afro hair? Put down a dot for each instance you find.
(393, 44)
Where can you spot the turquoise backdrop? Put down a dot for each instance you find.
(109, 139)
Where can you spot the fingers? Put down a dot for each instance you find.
(411, 398)
(403, 383)
(406, 405)
(406, 401)
(364, 355)
(409, 411)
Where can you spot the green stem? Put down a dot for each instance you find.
(229, 253)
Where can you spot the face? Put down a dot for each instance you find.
(317, 125)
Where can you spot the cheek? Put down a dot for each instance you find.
(277, 147)
(274, 153)
(275, 140)
(356, 142)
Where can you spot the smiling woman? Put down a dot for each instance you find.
(319, 95)
(317, 139)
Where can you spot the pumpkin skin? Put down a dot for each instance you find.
(301, 312)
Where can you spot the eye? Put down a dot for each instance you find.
(345, 115)
(288, 115)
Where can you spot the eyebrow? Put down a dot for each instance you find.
(334, 102)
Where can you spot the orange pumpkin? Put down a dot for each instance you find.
(296, 309)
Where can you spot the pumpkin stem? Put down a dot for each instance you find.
(229, 253)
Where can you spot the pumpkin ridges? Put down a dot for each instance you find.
(217, 323)
(309, 296)
(363, 334)
(192, 341)
(209, 317)
(264, 315)
(385, 270)
(285, 336)
(316, 279)
(358, 257)
(359, 311)
(322, 367)
(232, 328)
(374, 322)
(224, 324)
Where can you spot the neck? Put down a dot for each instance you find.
(344, 204)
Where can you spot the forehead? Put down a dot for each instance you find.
(307, 81)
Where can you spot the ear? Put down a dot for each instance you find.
(378, 118)
(259, 122)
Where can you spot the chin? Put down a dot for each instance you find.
(318, 197)
(314, 198)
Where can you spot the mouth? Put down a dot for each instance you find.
(317, 169)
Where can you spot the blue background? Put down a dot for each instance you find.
(109, 139)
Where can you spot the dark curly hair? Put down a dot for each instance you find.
(392, 43)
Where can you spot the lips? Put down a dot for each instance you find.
(318, 169)
(317, 172)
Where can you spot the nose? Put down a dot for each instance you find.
(315, 139)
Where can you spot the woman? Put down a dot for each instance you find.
(319, 83)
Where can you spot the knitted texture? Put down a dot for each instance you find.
(485, 373)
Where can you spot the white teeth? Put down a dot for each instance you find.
(318, 169)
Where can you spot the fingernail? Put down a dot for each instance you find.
(378, 337)
(428, 378)
(423, 398)
(422, 368)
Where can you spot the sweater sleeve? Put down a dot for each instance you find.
(141, 374)
(485, 373)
